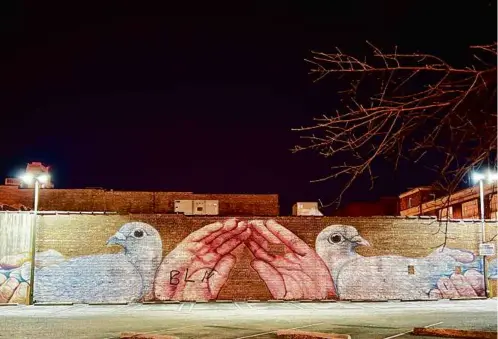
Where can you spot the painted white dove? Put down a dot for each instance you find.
(336, 245)
(127, 276)
(383, 277)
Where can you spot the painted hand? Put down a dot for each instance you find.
(470, 284)
(14, 278)
(199, 266)
(298, 274)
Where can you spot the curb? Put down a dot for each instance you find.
(452, 333)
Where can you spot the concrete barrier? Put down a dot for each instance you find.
(452, 333)
(294, 334)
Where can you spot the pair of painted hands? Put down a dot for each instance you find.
(470, 284)
(200, 265)
(202, 262)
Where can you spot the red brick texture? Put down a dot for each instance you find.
(452, 333)
(79, 235)
(123, 202)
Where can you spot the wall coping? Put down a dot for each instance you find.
(60, 212)
(112, 190)
(385, 217)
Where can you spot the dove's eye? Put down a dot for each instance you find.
(335, 238)
(138, 234)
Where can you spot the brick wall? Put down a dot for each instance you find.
(81, 235)
(136, 202)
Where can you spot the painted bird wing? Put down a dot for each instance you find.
(89, 279)
(385, 277)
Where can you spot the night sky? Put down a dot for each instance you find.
(201, 98)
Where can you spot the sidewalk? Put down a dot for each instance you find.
(246, 320)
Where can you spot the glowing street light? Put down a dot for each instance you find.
(480, 177)
(492, 176)
(30, 178)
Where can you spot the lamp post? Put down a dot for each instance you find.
(37, 179)
(480, 177)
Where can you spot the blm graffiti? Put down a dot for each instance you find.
(200, 265)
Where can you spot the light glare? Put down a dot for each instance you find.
(27, 178)
(43, 178)
(489, 176)
(492, 176)
(477, 176)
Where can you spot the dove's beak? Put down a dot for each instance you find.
(116, 239)
(359, 241)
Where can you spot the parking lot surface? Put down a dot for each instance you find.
(246, 319)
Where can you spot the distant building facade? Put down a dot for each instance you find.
(17, 195)
(123, 202)
(463, 204)
(420, 201)
(425, 201)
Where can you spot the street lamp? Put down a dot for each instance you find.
(480, 177)
(30, 178)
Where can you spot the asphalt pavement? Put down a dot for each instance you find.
(246, 319)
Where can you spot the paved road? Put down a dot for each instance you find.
(245, 320)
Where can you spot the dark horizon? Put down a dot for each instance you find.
(147, 99)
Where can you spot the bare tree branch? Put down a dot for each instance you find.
(421, 106)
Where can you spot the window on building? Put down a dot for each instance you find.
(411, 269)
(457, 211)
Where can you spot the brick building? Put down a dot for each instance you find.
(463, 204)
(420, 201)
(96, 199)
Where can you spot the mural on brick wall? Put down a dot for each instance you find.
(15, 258)
(201, 264)
(396, 277)
(14, 278)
